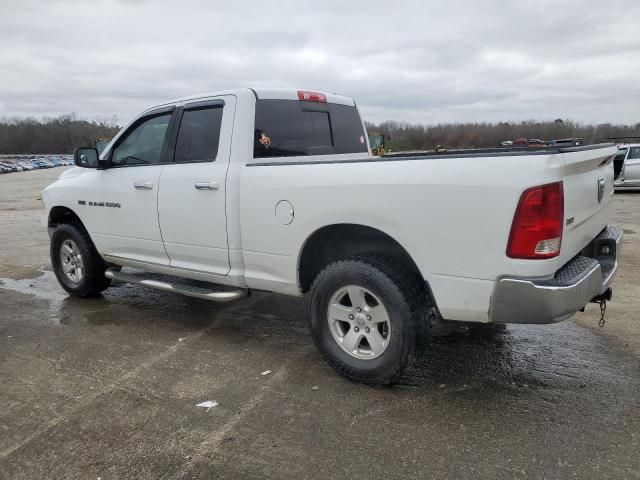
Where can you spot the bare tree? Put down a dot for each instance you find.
(52, 135)
(406, 136)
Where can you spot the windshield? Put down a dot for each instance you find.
(375, 140)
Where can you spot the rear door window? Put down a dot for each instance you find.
(199, 135)
(294, 128)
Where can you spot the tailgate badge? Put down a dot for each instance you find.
(600, 189)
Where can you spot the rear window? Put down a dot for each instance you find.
(287, 128)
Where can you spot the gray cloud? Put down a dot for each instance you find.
(435, 61)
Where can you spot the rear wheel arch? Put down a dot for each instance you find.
(339, 241)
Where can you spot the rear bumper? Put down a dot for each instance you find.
(588, 275)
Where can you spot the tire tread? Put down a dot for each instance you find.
(414, 292)
(94, 281)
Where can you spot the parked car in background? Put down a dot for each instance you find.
(565, 142)
(626, 166)
(537, 143)
(19, 163)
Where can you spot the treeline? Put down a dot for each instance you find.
(52, 135)
(62, 134)
(406, 136)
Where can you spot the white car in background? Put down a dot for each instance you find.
(626, 166)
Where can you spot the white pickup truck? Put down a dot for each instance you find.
(216, 195)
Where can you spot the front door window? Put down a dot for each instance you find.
(143, 145)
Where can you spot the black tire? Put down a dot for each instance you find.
(93, 280)
(403, 295)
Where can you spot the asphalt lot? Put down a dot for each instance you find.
(107, 387)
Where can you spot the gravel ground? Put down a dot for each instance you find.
(107, 387)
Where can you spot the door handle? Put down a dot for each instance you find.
(207, 186)
(143, 185)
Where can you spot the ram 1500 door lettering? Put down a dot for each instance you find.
(216, 195)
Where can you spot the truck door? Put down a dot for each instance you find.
(191, 198)
(119, 205)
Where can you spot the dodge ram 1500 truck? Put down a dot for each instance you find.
(216, 195)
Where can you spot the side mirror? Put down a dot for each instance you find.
(87, 157)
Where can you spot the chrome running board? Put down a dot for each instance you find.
(188, 290)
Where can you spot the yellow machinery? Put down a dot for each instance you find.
(379, 143)
(101, 143)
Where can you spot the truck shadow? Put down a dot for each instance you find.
(562, 356)
(469, 357)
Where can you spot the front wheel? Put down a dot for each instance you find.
(76, 263)
(368, 318)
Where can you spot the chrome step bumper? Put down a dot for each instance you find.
(183, 289)
(586, 276)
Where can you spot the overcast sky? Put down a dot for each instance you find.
(430, 61)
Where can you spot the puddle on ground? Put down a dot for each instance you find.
(518, 359)
(119, 304)
(44, 287)
(62, 307)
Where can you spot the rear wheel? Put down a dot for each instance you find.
(76, 263)
(368, 318)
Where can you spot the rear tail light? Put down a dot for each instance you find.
(312, 97)
(536, 231)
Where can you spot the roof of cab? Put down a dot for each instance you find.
(260, 93)
(292, 94)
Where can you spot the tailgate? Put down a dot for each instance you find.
(588, 195)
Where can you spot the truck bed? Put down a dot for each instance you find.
(494, 152)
